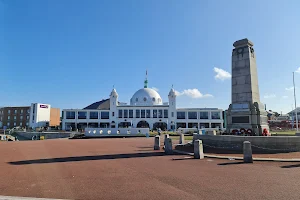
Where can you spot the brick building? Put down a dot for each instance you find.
(14, 116)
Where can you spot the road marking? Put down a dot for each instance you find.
(23, 198)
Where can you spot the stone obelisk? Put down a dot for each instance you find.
(245, 112)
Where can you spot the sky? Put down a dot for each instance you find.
(71, 53)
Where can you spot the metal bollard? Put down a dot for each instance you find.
(166, 136)
(198, 149)
(168, 146)
(157, 142)
(247, 150)
(181, 139)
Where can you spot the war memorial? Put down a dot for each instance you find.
(246, 118)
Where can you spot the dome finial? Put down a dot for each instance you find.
(146, 80)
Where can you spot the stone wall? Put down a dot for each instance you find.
(266, 144)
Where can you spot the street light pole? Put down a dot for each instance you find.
(295, 102)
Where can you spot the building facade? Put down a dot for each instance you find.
(36, 115)
(146, 110)
(14, 116)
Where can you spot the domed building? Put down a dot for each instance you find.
(146, 110)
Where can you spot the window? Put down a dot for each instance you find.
(204, 125)
(105, 115)
(125, 113)
(147, 113)
(26, 123)
(154, 113)
(8, 111)
(113, 114)
(15, 117)
(1, 118)
(81, 115)
(21, 124)
(8, 117)
(181, 125)
(215, 125)
(160, 114)
(180, 115)
(21, 111)
(192, 115)
(28, 111)
(21, 117)
(15, 124)
(130, 113)
(153, 99)
(215, 115)
(143, 113)
(203, 115)
(137, 113)
(120, 113)
(16, 111)
(93, 115)
(172, 114)
(8, 124)
(192, 125)
(145, 99)
(69, 115)
(136, 99)
(166, 114)
(27, 117)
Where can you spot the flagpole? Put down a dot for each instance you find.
(295, 102)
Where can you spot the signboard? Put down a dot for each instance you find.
(4, 127)
(43, 106)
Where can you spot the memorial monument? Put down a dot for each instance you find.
(246, 113)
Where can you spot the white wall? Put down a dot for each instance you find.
(39, 115)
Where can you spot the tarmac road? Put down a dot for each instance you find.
(128, 168)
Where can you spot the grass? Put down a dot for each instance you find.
(288, 132)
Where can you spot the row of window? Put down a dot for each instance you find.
(143, 114)
(201, 125)
(15, 118)
(15, 111)
(15, 124)
(194, 115)
(83, 115)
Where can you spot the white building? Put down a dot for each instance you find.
(39, 115)
(146, 109)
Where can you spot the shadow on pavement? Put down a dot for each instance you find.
(291, 166)
(232, 163)
(87, 158)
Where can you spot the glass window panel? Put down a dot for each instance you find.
(160, 114)
(147, 113)
(192, 115)
(93, 115)
(104, 115)
(130, 113)
(137, 113)
(81, 115)
(180, 115)
(215, 115)
(125, 113)
(143, 113)
(120, 113)
(203, 115)
(166, 114)
(154, 113)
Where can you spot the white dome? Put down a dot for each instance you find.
(146, 97)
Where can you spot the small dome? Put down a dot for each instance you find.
(146, 97)
(172, 92)
(114, 93)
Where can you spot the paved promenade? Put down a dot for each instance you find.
(128, 168)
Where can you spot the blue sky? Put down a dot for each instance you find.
(70, 53)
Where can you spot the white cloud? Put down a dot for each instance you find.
(221, 74)
(193, 93)
(298, 70)
(268, 96)
(285, 97)
(290, 89)
(156, 89)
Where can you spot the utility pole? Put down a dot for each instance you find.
(295, 102)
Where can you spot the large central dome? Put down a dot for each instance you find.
(146, 97)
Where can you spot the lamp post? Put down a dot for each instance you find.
(295, 102)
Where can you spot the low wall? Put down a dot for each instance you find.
(98, 132)
(268, 144)
(47, 135)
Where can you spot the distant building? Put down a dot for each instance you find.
(146, 110)
(36, 115)
(14, 116)
(292, 114)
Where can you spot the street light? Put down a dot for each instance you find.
(295, 101)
